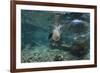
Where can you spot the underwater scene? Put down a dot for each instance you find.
(48, 36)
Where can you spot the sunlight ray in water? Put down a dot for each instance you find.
(48, 36)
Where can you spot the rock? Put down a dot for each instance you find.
(79, 26)
(59, 58)
(80, 48)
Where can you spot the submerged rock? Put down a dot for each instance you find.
(80, 48)
(59, 58)
(79, 26)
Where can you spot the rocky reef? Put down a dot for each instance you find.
(36, 31)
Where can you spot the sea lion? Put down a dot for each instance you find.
(56, 34)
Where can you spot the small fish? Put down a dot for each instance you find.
(65, 45)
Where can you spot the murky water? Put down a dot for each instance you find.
(71, 41)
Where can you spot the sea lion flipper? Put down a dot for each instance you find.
(50, 35)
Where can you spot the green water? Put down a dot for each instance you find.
(36, 27)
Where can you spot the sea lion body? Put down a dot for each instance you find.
(56, 35)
